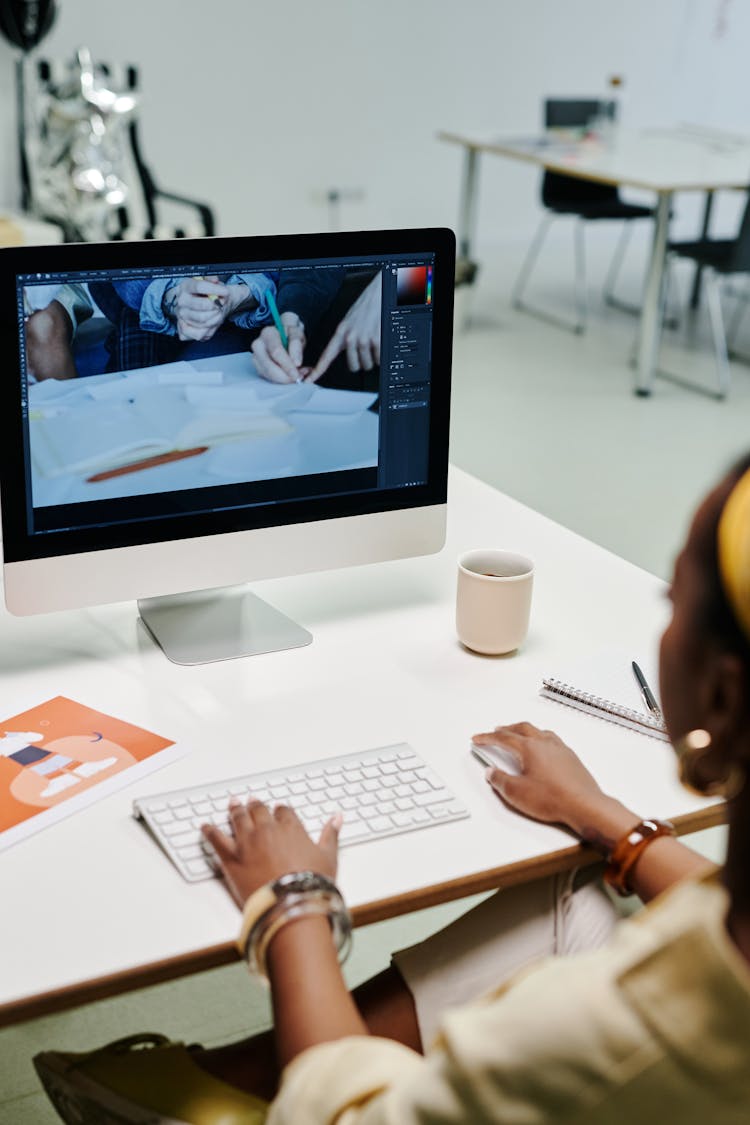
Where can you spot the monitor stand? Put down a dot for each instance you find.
(213, 625)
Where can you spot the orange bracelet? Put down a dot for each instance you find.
(627, 852)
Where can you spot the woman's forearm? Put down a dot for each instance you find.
(311, 1002)
(664, 862)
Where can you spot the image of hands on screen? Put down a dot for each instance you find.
(279, 315)
(147, 384)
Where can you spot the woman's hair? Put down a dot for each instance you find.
(719, 620)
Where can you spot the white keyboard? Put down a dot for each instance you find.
(381, 792)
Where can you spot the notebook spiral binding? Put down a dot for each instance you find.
(604, 708)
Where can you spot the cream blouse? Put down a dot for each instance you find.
(653, 1028)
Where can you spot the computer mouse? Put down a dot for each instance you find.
(497, 756)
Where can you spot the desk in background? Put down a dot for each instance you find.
(92, 908)
(663, 161)
(26, 230)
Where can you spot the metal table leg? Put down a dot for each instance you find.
(651, 312)
(467, 216)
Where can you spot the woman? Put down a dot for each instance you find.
(656, 1021)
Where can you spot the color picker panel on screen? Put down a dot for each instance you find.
(414, 285)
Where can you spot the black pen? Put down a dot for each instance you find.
(646, 692)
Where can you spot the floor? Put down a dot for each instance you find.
(550, 418)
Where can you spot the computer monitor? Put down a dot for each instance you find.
(178, 418)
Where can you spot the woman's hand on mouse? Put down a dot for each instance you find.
(553, 785)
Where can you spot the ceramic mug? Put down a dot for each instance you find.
(493, 600)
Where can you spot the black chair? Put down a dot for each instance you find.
(719, 259)
(150, 211)
(587, 201)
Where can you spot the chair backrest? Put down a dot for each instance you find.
(574, 113)
(569, 192)
(741, 255)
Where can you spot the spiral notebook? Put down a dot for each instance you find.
(610, 693)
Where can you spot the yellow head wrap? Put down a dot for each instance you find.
(733, 541)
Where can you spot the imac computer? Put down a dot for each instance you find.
(181, 418)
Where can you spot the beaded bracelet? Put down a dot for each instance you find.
(296, 895)
(627, 851)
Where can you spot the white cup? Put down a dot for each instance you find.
(493, 600)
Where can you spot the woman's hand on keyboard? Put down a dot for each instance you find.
(265, 844)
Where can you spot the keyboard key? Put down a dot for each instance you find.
(380, 823)
(431, 778)
(173, 829)
(438, 812)
(198, 867)
(351, 832)
(430, 798)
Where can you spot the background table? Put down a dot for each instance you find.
(663, 161)
(91, 907)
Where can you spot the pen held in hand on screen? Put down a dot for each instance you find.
(277, 319)
(280, 326)
(648, 696)
(147, 463)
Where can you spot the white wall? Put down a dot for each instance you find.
(261, 108)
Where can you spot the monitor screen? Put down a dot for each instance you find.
(169, 391)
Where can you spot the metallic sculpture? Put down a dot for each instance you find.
(76, 132)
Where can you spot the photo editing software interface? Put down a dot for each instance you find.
(218, 387)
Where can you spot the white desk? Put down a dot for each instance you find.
(90, 907)
(663, 161)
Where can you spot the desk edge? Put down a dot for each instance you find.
(215, 956)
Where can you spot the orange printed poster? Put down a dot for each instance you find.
(59, 756)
